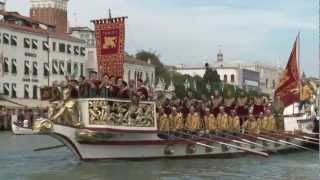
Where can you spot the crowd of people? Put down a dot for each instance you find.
(106, 86)
(252, 114)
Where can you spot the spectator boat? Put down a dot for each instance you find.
(22, 128)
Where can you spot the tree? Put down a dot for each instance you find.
(211, 75)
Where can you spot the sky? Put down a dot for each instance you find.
(192, 31)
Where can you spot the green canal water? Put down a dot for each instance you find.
(19, 162)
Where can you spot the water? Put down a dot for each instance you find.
(19, 162)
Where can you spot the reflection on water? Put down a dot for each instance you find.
(18, 161)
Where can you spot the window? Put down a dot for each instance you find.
(6, 65)
(14, 66)
(69, 67)
(35, 92)
(45, 45)
(273, 84)
(45, 69)
(225, 78)
(232, 78)
(76, 50)
(81, 69)
(129, 75)
(267, 81)
(34, 44)
(82, 51)
(75, 69)
(61, 68)
(26, 91)
(5, 38)
(26, 43)
(54, 46)
(35, 68)
(6, 89)
(69, 49)
(62, 47)
(13, 41)
(14, 90)
(54, 67)
(26, 68)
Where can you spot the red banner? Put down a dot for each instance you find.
(288, 87)
(110, 38)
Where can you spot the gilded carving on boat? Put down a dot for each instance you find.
(116, 113)
(65, 111)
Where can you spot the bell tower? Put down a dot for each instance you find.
(53, 12)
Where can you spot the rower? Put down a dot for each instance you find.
(176, 120)
(271, 125)
(209, 120)
(251, 125)
(262, 121)
(163, 120)
(193, 119)
(234, 120)
(222, 119)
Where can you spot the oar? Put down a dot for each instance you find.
(188, 140)
(296, 135)
(227, 144)
(263, 139)
(232, 139)
(290, 143)
(290, 136)
(49, 148)
(238, 139)
(245, 140)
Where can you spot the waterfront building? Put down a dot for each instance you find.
(36, 54)
(243, 74)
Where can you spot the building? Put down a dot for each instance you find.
(88, 35)
(242, 74)
(53, 12)
(34, 54)
(134, 69)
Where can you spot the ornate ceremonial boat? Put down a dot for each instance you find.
(100, 128)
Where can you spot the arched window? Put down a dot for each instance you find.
(232, 78)
(225, 78)
(267, 82)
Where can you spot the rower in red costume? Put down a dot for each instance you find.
(142, 91)
(228, 102)
(258, 106)
(124, 91)
(216, 101)
(242, 107)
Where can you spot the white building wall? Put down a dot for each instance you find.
(40, 56)
(131, 72)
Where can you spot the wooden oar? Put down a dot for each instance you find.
(49, 148)
(290, 136)
(288, 143)
(244, 139)
(297, 135)
(227, 144)
(187, 140)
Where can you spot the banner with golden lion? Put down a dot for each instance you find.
(110, 39)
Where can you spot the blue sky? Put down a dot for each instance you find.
(190, 31)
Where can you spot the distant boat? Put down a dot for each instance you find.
(20, 128)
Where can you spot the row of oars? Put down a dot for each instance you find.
(226, 137)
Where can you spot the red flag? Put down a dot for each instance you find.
(288, 87)
(110, 38)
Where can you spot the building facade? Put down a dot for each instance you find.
(34, 55)
(245, 75)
